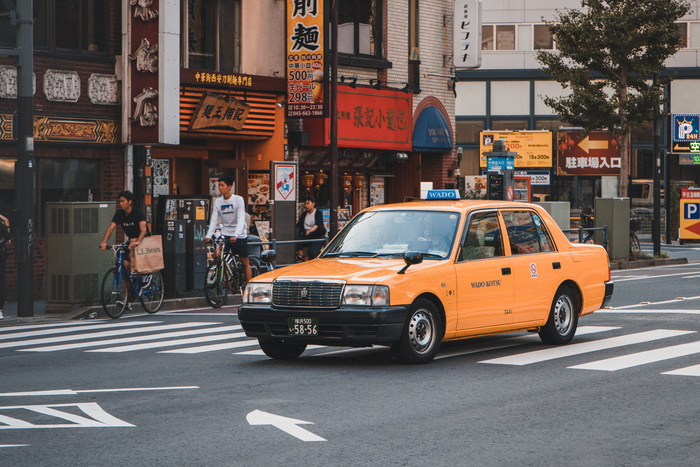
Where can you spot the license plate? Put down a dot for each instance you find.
(303, 326)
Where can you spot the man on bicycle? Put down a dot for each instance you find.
(229, 211)
(132, 220)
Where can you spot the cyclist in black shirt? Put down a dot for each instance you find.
(132, 220)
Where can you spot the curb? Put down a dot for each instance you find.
(646, 263)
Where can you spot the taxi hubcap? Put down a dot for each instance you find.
(421, 331)
(563, 315)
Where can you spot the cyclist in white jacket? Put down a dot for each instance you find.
(229, 211)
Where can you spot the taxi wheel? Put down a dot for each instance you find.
(563, 318)
(422, 333)
(282, 349)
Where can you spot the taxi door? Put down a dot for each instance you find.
(536, 265)
(484, 275)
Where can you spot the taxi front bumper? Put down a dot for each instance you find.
(351, 326)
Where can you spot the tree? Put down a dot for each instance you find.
(608, 54)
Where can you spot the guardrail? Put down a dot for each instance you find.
(583, 231)
(273, 246)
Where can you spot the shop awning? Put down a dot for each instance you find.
(432, 132)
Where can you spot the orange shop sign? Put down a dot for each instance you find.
(368, 118)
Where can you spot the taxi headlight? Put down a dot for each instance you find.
(367, 295)
(258, 292)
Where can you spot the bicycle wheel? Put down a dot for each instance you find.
(151, 293)
(113, 294)
(635, 248)
(237, 278)
(215, 285)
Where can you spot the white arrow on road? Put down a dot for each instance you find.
(288, 425)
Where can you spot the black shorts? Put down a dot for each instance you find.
(239, 247)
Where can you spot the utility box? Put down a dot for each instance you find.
(615, 213)
(75, 265)
(500, 172)
(174, 257)
(560, 212)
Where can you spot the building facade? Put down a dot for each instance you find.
(507, 94)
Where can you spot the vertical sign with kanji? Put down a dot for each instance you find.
(306, 68)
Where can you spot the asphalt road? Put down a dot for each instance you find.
(190, 389)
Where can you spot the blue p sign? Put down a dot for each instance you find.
(691, 211)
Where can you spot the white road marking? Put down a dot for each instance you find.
(14, 445)
(98, 417)
(43, 332)
(641, 358)
(651, 311)
(250, 352)
(585, 347)
(286, 424)
(687, 371)
(191, 340)
(213, 347)
(54, 325)
(518, 340)
(126, 340)
(71, 392)
(660, 276)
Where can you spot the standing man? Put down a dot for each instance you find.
(5, 239)
(229, 211)
(132, 220)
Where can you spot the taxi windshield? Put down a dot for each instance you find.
(392, 233)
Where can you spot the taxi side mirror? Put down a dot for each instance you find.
(269, 256)
(411, 257)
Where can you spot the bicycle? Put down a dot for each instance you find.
(118, 283)
(225, 275)
(635, 225)
(587, 223)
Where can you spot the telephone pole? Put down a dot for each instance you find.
(25, 201)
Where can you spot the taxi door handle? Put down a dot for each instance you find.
(505, 271)
(556, 265)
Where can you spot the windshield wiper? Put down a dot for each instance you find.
(349, 254)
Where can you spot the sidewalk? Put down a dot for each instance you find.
(95, 311)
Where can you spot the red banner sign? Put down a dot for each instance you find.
(595, 153)
(368, 118)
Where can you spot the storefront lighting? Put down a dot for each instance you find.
(349, 80)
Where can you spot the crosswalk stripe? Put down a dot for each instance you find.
(251, 352)
(687, 371)
(126, 340)
(189, 340)
(213, 347)
(99, 335)
(50, 325)
(641, 358)
(650, 311)
(43, 332)
(515, 341)
(585, 347)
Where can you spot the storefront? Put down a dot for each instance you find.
(374, 133)
(229, 124)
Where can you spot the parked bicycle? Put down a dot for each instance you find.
(587, 223)
(118, 284)
(635, 226)
(224, 276)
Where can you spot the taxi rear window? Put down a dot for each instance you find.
(527, 233)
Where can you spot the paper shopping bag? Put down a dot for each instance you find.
(148, 255)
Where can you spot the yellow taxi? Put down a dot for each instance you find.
(413, 275)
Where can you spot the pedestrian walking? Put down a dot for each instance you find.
(5, 239)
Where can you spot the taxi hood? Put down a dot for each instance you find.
(352, 270)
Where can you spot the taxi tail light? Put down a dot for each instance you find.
(609, 272)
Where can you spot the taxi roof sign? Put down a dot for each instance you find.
(442, 194)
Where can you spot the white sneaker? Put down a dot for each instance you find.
(1, 317)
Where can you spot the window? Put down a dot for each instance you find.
(682, 30)
(543, 38)
(483, 239)
(504, 37)
(66, 25)
(213, 35)
(526, 233)
(360, 27)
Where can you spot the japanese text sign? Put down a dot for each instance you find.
(305, 58)
(215, 111)
(533, 148)
(595, 153)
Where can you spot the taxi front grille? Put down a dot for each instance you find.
(325, 294)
